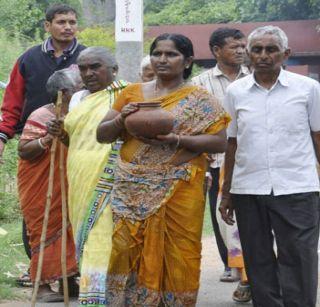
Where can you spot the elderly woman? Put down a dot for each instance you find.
(146, 71)
(33, 172)
(91, 220)
(158, 196)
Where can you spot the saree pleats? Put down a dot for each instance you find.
(160, 254)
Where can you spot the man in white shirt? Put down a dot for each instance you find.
(271, 178)
(228, 48)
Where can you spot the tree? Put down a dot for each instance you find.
(270, 10)
(190, 11)
(25, 17)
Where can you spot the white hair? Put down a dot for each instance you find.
(101, 53)
(271, 30)
(64, 79)
(145, 62)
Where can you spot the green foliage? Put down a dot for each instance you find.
(159, 12)
(26, 16)
(11, 48)
(13, 260)
(20, 16)
(98, 36)
(9, 205)
(262, 10)
(189, 12)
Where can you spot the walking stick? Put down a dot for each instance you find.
(64, 222)
(47, 211)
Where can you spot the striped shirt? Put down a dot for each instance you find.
(216, 83)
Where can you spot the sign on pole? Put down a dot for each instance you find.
(129, 38)
(129, 21)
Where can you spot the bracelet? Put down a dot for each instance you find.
(41, 144)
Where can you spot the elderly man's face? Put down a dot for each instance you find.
(95, 74)
(147, 73)
(266, 54)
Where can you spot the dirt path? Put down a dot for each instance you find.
(212, 292)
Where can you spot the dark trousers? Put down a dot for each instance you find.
(213, 195)
(290, 278)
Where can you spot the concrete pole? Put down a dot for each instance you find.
(129, 38)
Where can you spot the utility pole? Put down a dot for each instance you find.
(129, 38)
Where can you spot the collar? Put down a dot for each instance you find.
(47, 46)
(282, 79)
(242, 72)
(117, 85)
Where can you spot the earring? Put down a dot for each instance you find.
(187, 66)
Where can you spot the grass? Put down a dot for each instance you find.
(13, 260)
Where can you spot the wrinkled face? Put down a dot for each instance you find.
(63, 27)
(167, 61)
(232, 53)
(147, 73)
(266, 54)
(95, 74)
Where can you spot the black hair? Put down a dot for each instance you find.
(218, 37)
(182, 43)
(58, 8)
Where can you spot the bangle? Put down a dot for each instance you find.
(41, 144)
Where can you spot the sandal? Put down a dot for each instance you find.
(24, 280)
(242, 294)
(229, 276)
(46, 295)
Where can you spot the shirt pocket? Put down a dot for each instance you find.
(292, 115)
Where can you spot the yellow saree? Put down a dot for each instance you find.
(158, 208)
(92, 226)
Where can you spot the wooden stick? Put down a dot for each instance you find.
(45, 222)
(64, 228)
(46, 215)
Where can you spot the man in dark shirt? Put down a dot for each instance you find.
(26, 90)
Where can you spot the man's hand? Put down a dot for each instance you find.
(2, 144)
(226, 209)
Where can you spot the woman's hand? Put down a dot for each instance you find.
(47, 140)
(129, 109)
(126, 111)
(55, 127)
(169, 139)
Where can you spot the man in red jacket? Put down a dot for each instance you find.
(26, 90)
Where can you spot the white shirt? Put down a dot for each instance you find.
(275, 150)
(77, 98)
(216, 83)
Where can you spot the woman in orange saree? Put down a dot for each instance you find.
(33, 172)
(158, 190)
